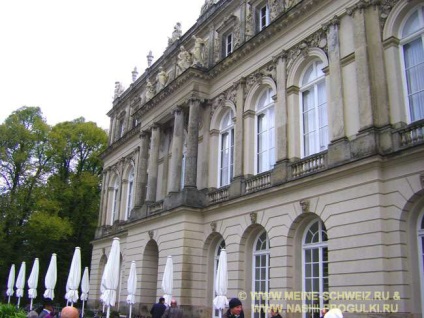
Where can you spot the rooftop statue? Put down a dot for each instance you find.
(198, 51)
(119, 89)
(150, 90)
(184, 60)
(161, 78)
(206, 6)
(176, 34)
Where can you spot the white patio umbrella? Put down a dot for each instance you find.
(168, 280)
(221, 283)
(33, 282)
(10, 282)
(20, 282)
(110, 278)
(51, 277)
(74, 278)
(85, 287)
(132, 286)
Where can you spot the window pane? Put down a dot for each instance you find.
(411, 25)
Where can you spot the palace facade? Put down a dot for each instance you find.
(290, 133)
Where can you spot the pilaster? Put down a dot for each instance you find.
(153, 164)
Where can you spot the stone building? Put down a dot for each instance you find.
(289, 132)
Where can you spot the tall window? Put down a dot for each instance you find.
(219, 247)
(413, 58)
(315, 267)
(121, 128)
(130, 193)
(226, 162)
(227, 44)
(115, 201)
(314, 110)
(260, 275)
(263, 16)
(265, 145)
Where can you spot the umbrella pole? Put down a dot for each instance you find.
(220, 313)
(108, 312)
(30, 305)
(8, 300)
(82, 311)
(19, 300)
(130, 311)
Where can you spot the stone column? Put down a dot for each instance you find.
(190, 177)
(281, 108)
(362, 70)
(153, 164)
(177, 151)
(205, 147)
(335, 100)
(238, 132)
(103, 203)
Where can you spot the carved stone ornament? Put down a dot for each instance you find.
(304, 204)
(213, 226)
(253, 217)
(151, 234)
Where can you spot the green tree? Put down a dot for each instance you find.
(50, 191)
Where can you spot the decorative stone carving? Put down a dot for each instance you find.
(161, 79)
(151, 234)
(213, 226)
(119, 89)
(176, 34)
(134, 74)
(199, 52)
(304, 204)
(217, 102)
(253, 217)
(249, 22)
(150, 91)
(206, 6)
(276, 8)
(184, 60)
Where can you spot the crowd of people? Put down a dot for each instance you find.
(163, 310)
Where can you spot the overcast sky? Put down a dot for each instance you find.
(65, 55)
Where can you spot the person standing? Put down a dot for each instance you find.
(158, 309)
(173, 311)
(235, 310)
(48, 310)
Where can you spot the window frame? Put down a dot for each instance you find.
(115, 201)
(404, 41)
(263, 252)
(260, 25)
(267, 112)
(313, 86)
(130, 193)
(321, 245)
(229, 130)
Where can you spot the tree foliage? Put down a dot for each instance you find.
(49, 191)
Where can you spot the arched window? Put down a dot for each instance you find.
(265, 144)
(315, 267)
(412, 42)
(219, 247)
(314, 110)
(260, 275)
(115, 204)
(130, 193)
(226, 151)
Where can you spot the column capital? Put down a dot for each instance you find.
(280, 56)
(335, 21)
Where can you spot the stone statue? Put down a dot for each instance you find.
(198, 52)
(184, 60)
(176, 34)
(206, 6)
(161, 78)
(150, 90)
(119, 89)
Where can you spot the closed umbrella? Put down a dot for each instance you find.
(110, 278)
(132, 286)
(51, 277)
(10, 282)
(20, 282)
(74, 278)
(221, 283)
(33, 282)
(168, 280)
(85, 287)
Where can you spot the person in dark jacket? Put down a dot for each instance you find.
(48, 310)
(158, 309)
(235, 310)
(173, 311)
